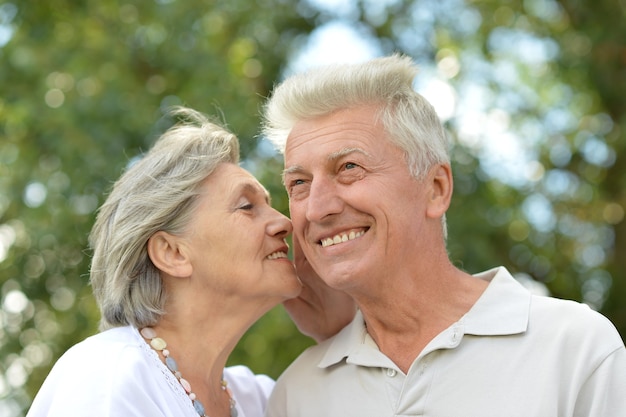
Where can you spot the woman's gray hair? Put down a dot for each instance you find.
(157, 193)
(408, 118)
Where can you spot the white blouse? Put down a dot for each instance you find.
(116, 373)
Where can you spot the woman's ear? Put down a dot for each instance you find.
(168, 254)
(441, 184)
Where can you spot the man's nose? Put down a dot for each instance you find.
(323, 200)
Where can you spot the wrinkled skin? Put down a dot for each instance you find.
(319, 311)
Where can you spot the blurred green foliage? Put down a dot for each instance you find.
(83, 86)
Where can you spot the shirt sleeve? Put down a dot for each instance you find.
(604, 392)
(251, 391)
(277, 407)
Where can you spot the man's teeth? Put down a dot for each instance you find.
(277, 255)
(342, 237)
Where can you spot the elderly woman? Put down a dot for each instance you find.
(187, 254)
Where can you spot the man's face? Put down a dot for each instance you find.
(356, 210)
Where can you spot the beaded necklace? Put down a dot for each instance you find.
(160, 345)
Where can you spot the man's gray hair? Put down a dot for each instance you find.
(408, 118)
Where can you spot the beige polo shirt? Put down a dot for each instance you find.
(513, 354)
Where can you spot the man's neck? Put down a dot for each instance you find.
(406, 319)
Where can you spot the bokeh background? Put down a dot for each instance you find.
(532, 93)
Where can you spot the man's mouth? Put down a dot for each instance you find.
(341, 237)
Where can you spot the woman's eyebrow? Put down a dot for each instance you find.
(254, 188)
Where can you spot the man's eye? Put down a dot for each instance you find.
(247, 206)
(293, 183)
(350, 165)
(297, 188)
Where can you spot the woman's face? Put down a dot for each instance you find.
(236, 240)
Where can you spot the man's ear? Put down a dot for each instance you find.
(168, 254)
(441, 185)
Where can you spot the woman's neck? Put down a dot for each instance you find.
(200, 338)
(196, 361)
(201, 349)
(201, 335)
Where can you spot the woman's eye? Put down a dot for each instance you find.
(247, 206)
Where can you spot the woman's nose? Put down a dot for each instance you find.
(280, 225)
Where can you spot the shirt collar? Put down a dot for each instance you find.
(502, 309)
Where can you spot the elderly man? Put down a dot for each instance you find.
(369, 182)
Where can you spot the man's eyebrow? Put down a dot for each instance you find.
(294, 169)
(346, 151)
(332, 157)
